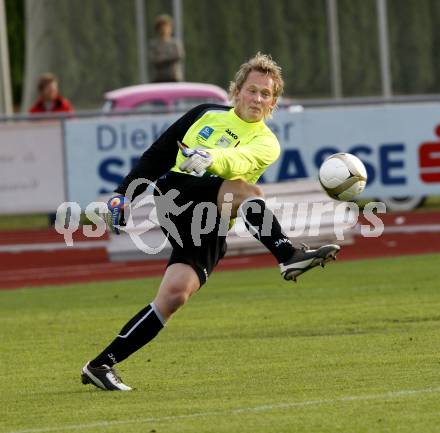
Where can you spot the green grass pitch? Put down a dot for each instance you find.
(353, 348)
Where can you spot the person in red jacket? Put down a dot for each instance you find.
(50, 100)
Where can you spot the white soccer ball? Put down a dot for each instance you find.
(343, 176)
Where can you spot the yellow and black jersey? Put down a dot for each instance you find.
(240, 150)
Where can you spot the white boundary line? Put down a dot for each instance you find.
(254, 409)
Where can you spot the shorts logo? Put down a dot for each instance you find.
(282, 241)
(206, 132)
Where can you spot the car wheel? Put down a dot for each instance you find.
(403, 203)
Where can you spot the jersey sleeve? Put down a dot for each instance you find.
(234, 163)
(160, 157)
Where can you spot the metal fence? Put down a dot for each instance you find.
(328, 48)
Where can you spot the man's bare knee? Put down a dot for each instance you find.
(171, 298)
(255, 191)
(177, 297)
(178, 284)
(244, 190)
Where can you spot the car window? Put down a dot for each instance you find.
(108, 106)
(151, 105)
(190, 102)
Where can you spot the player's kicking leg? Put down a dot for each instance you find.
(248, 202)
(178, 284)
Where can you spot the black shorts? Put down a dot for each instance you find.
(203, 251)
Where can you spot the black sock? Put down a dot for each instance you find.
(264, 226)
(141, 329)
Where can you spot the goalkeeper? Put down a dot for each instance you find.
(212, 154)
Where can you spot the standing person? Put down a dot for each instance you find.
(237, 148)
(165, 53)
(49, 99)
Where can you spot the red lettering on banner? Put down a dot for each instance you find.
(429, 160)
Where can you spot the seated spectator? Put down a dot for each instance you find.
(49, 99)
(165, 52)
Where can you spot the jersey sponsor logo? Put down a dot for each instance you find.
(232, 134)
(223, 141)
(206, 132)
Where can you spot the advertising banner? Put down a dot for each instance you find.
(100, 152)
(399, 144)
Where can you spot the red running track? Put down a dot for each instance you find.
(405, 234)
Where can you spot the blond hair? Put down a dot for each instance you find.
(261, 63)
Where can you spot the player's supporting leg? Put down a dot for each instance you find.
(180, 281)
(248, 203)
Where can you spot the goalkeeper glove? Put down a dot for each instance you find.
(198, 160)
(115, 215)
